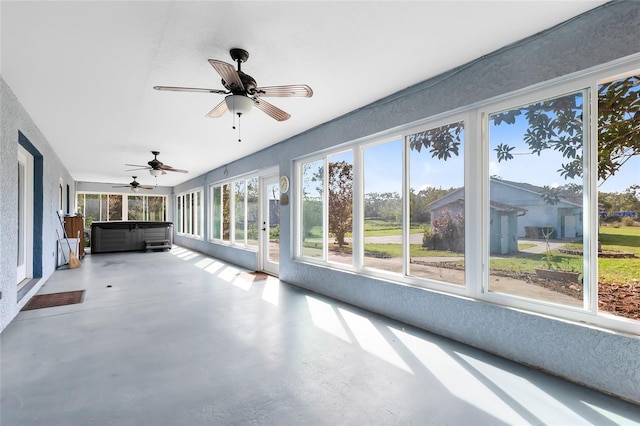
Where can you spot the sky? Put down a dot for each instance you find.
(383, 166)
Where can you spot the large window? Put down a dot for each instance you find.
(618, 244)
(530, 201)
(340, 207)
(436, 203)
(383, 201)
(428, 244)
(253, 211)
(234, 212)
(113, 207)
(312, 224)
(189, 206)
(535, 200)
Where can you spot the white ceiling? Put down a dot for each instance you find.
(84, 70)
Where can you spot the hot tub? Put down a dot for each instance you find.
(130, 236)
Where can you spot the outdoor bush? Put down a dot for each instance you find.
(627, 221)
(446, 233)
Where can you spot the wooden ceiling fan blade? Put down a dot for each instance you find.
(189, 89)
(228, 74)
(271, 110)
(171, 169)
(121, 186)
(220, 109)
(137, 165)
(293, 90)
(145, 186)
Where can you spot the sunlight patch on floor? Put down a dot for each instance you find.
(614, 417)
(271, 292)
(325, 318)
(214, 267)
(371, 340)
(204, 263)
(522, 391)
(228, 274)
(190, 256)
(242, 283)
(455, 378)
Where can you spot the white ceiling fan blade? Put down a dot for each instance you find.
(294, 90)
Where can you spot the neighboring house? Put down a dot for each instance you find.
(517, 210)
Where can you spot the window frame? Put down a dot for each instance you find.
(476, 145)
(124, 207)
(185, 205)
(244, 244)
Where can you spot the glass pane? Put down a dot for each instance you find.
(312, 208)
(383, 206)
(619, 197)
(436, 233)
(216, 212)
(253, 211)
(188, 208)
(239, 212)
(179, 213)
(114, 211)
(91, 208)
(535, 187)
(274, 222)
(340, 202)
(80, 204)
(156, 208)
(136, 207)
(104, 207)
(197, 213)
(226, 211)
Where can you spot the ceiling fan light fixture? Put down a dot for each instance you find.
(155, 172)
(239, 104)
(134, 189)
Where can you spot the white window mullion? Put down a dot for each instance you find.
(357, 230)
(590, 200)
(125, 207)
(325, 209)
(406, 203)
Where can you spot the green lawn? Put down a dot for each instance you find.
(624, 238)
(615, 270)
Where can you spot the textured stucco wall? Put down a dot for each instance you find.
(601, 359)
(15, 119)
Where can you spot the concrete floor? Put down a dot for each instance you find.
(178, 338)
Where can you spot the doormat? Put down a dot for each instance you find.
(54, 299)
(253, 276)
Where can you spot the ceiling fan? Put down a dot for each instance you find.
(242, 90)
(156, 167)
(134, 185)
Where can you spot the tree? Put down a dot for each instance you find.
(340, 200)
(340, 182)
(383, 205)
(558, 124)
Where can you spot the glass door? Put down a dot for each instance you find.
(270, 246)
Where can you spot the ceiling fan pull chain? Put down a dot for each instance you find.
(239, 116)
(234, 121)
